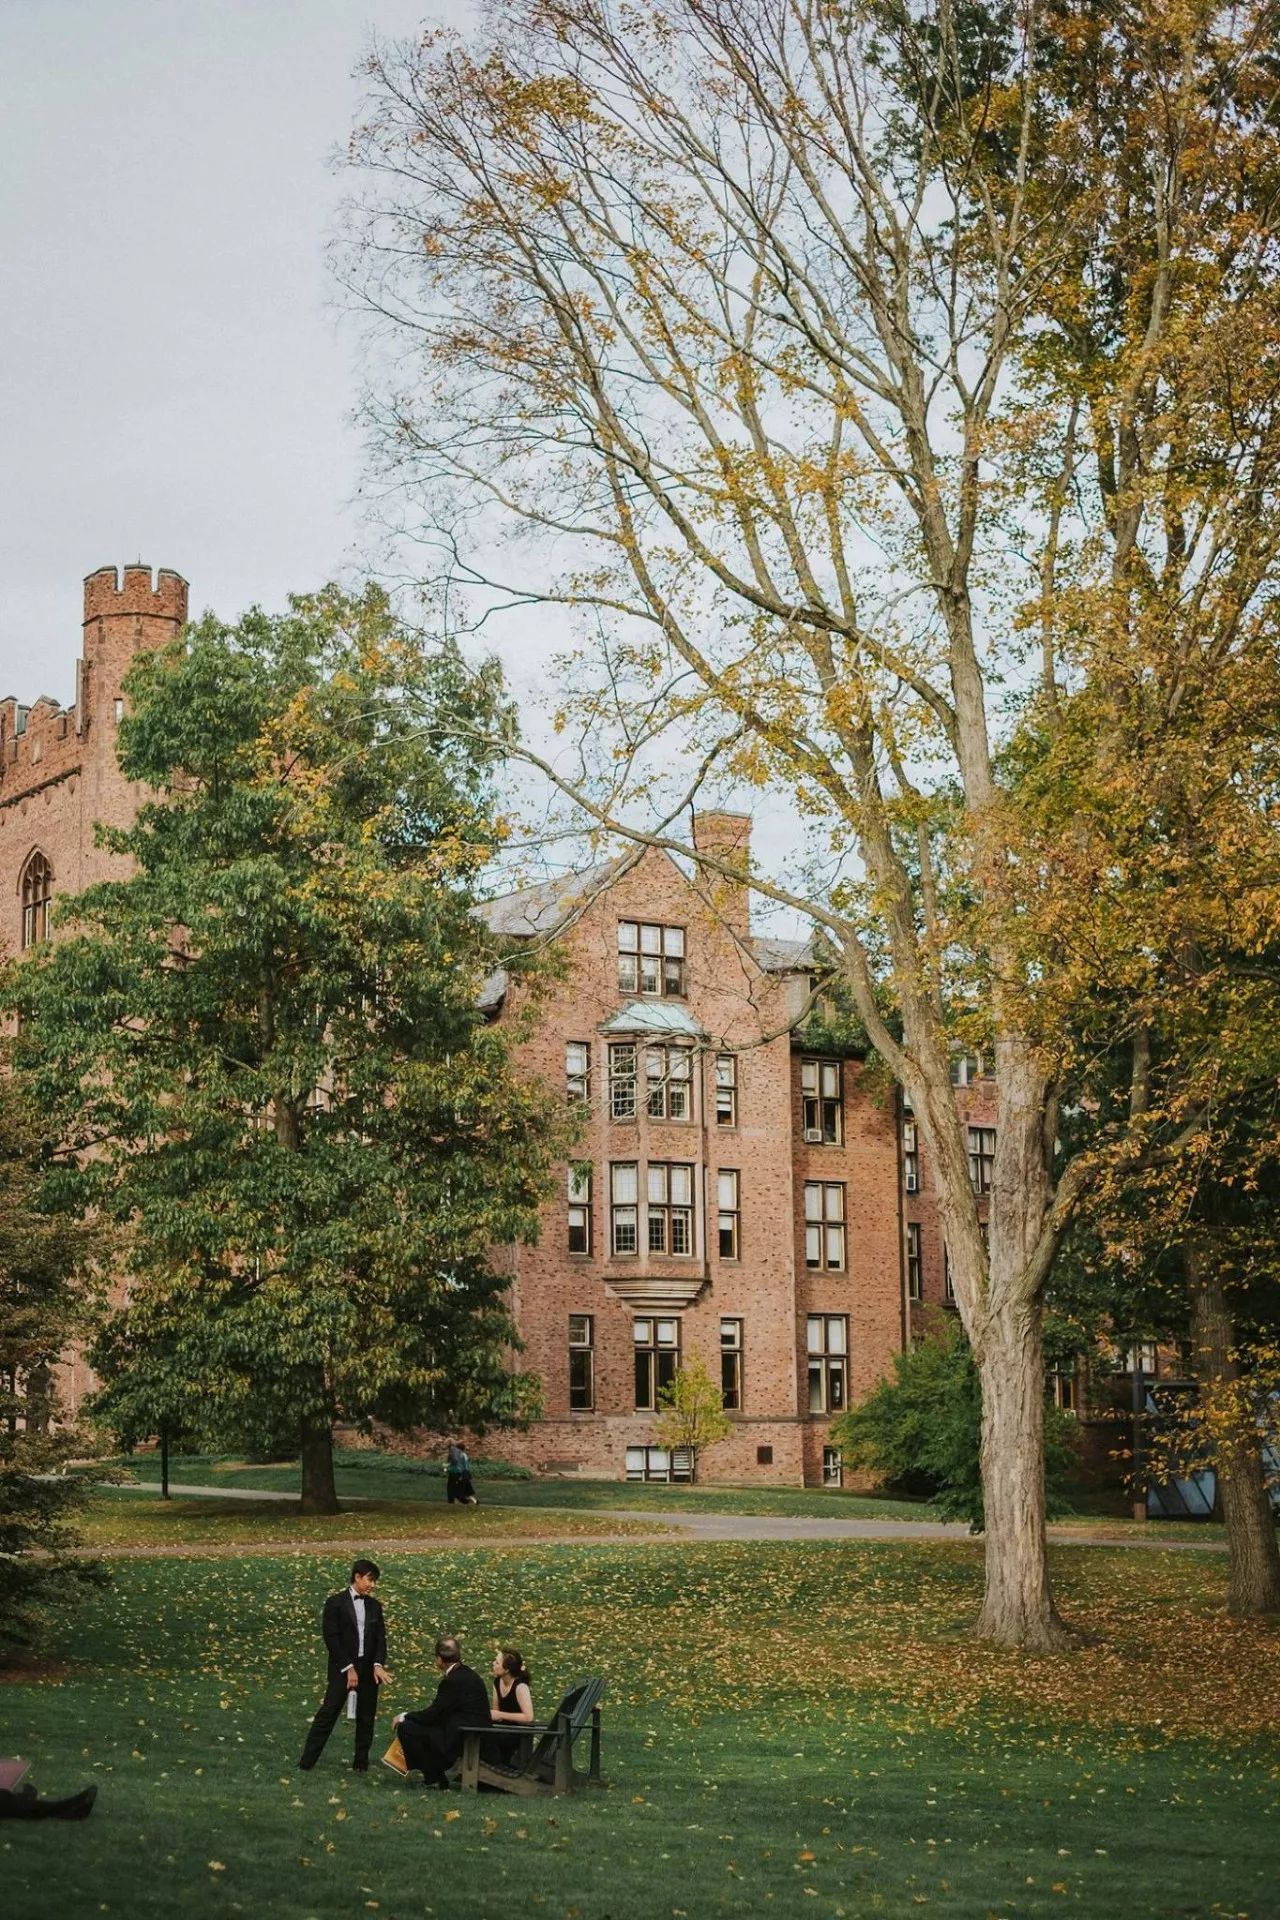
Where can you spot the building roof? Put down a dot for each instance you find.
(654, 1016)
(545, 907)
(782, 956)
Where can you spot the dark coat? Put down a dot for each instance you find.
(342, 1637)
(462, 1700)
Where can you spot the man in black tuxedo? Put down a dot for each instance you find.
(431, 1740)
(355, 1635)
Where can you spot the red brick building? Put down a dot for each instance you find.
(740, 1196)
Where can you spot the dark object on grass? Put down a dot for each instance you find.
(18, 1802)
(546, 1764)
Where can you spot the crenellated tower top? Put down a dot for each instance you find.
(107, 596)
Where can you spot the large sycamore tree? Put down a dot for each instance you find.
(262, 1048)
(863, 378)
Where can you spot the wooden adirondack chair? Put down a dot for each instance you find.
(545, 1764)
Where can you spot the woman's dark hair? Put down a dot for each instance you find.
(514, 1667)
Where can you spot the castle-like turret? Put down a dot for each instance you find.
(124, 615)
(58, 770)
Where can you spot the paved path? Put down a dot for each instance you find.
(698, 1524)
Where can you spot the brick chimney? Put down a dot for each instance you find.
(727, 836)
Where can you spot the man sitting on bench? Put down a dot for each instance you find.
(431, 1739)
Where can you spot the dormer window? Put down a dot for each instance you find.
(37, 898)
(651, 959)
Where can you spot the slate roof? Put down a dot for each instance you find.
(782, 956)
(654, 1016)
(547, 905)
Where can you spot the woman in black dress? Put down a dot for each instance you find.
(512, 1707)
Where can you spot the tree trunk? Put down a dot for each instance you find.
(1253, 1554)
(319, 1494)
(164, 1463)
(1017, 1606)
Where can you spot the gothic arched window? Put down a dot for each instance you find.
(37, 894)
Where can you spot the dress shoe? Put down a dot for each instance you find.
(360, 1766)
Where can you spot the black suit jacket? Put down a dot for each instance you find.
(462, 1700)
(342, 1637)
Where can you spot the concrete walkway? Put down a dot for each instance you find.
(698, 1524)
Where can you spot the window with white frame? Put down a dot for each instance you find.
(823, 1106)
(651, 959)
(659, 1463)
(1064, 1389)
(622, 1080)
(910, 1157)
(982, 1157)
(669, 1192)
(1144, 1357)
(582, 1363)
(669, 1082)
(726, 1089)
(948, 1284)
(729, 1213)
(824, 1246)
(579, 1219)
(832, 1467)
(624, 1207)
(828, 1345)
(915, 1261)
(577, 1072)
(966, 1069)
(731, 1365)
(657, 1352)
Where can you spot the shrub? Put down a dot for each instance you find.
(920, 1430)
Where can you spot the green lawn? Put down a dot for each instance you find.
(793, 1730)
(397, 1477)
(119, 1517)
(369, 1474)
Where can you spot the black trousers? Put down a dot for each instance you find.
(335, 1703)
(429, 1751)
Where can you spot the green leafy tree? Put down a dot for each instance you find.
(263, 1052)
(44, 1301)
(920, 1431)
(692, 1412)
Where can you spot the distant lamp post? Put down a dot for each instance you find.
(1139, 1413)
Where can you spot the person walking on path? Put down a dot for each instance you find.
(355, 1637)
(457, 1476)
(431, 1739)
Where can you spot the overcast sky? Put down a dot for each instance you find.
(175, 385)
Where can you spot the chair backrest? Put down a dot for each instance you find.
(576, 1708)
(588, 1693)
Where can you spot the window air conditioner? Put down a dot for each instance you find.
(813, 1134)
